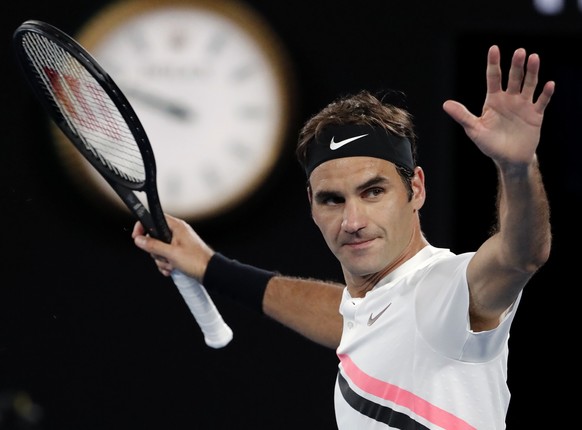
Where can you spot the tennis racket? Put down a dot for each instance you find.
(97, 118)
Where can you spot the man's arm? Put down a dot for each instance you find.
(520, 246)
(307, 306)
(508, 131)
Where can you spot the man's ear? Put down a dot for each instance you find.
(418, 188)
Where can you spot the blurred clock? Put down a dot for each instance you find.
(212, 87)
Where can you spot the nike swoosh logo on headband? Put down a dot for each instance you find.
(336, 145)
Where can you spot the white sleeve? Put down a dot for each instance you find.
(442, 313)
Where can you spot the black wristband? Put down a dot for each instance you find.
(242, 282)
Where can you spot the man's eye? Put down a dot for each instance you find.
(374, 192)
(331, 200)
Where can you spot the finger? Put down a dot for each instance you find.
(138, 230)
(163, 264)
(159, 258)
(515, 79)
(175, 224)
(530, 81)
(493, 71)
(545, 96)
(153, 246)
(170, 220)
(165, 269)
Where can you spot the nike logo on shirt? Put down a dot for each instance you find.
(336, 145)
(372, 319)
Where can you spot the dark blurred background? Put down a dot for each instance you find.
(93, 338)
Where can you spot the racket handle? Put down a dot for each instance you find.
(217, 333)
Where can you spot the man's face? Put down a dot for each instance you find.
(361, 206)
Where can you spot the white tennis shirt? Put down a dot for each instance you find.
(408, 359)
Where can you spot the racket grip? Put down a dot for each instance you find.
(217, 333)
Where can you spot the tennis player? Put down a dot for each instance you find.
(421, 333)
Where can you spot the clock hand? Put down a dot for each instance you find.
(169, 107)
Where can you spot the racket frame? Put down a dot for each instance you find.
(152, 218)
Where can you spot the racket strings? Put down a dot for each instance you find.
(86, 107)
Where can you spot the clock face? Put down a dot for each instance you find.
(211, 89)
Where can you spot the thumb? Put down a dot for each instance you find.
(459, 113)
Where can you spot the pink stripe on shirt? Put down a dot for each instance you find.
(401, 397)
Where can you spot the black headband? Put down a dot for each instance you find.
(339, 141)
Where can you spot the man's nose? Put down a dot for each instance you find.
(354, 217)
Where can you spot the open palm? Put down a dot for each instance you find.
(508, 130)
